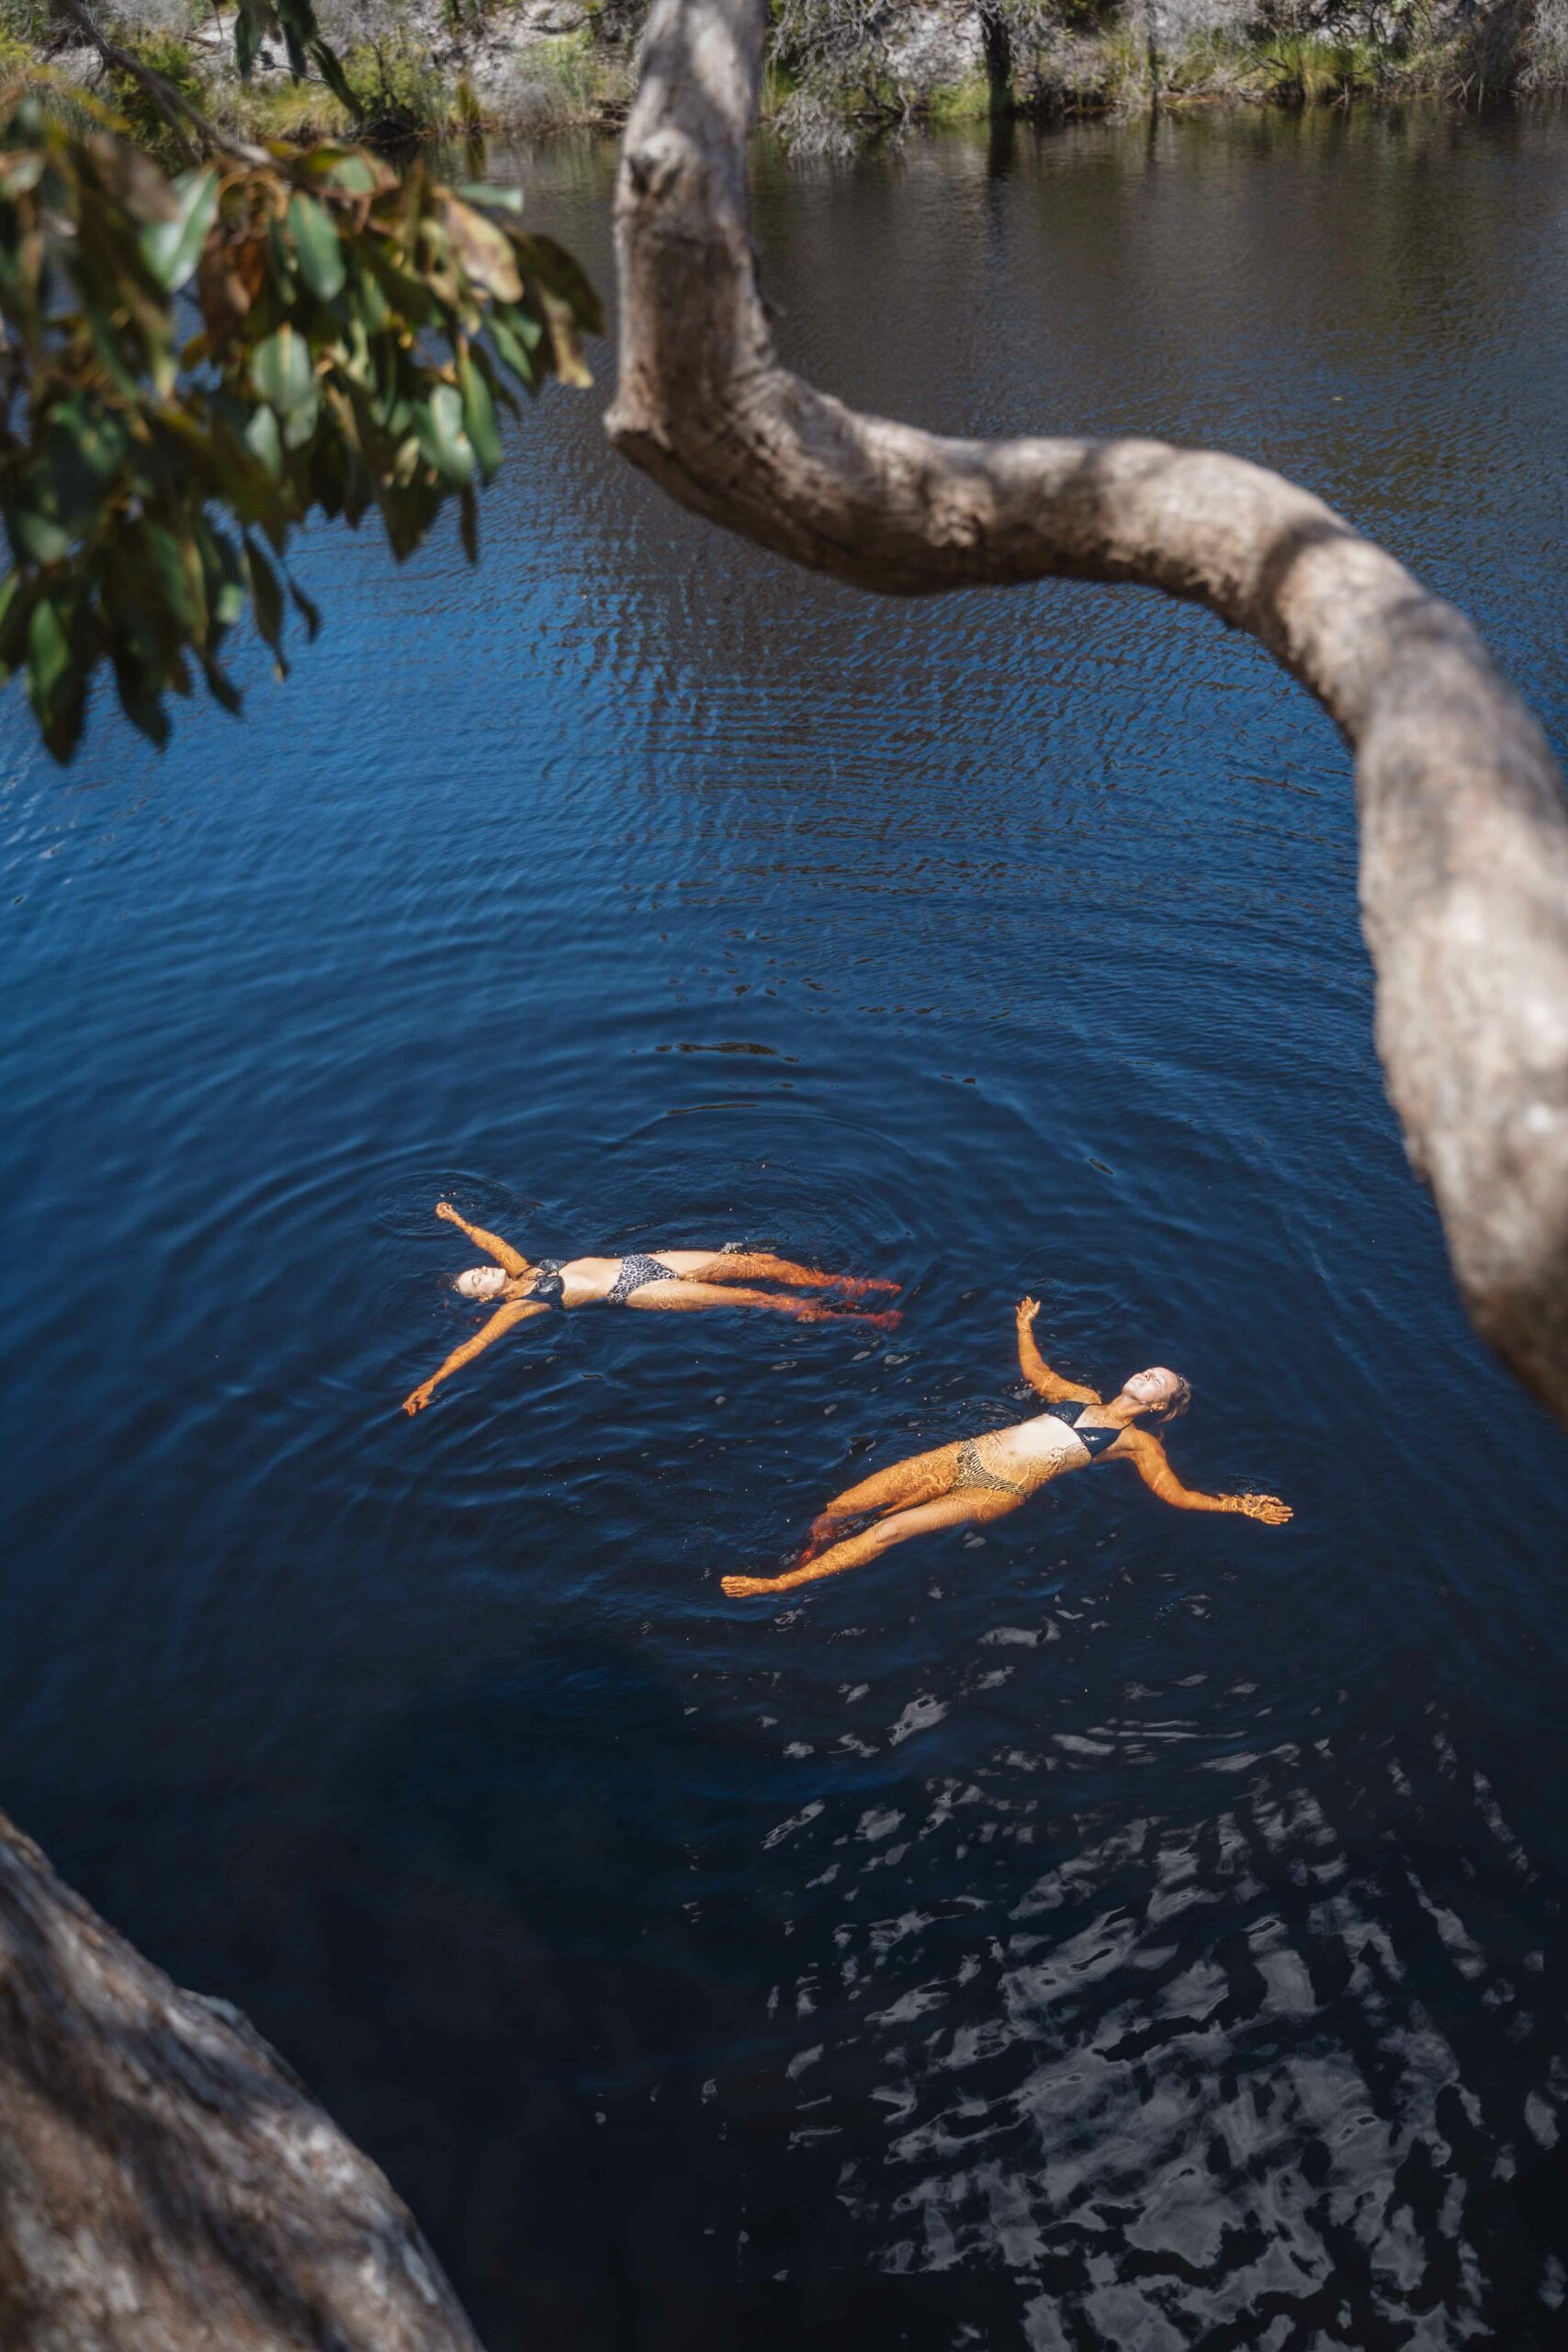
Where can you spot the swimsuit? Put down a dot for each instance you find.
(970, 1471)
(636, 1274)
(547, 1289)
(1094, 1441)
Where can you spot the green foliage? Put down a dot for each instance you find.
(165, 54)
(194, 366)
(297, 113)
(396, 91)
(1308, 69)
(28, 23)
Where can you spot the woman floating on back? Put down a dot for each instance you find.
(984, 1477)
(676, 1280)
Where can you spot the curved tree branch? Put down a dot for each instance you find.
(1465, 831)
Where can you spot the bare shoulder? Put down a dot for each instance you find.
(1136, 1445)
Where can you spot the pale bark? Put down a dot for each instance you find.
(165, 2183)
(1465, 831)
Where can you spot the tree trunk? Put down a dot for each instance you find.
(1465, 831)
(995, 43)
(165, 2183)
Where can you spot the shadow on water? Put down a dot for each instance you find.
(1118, 1929)
(1268, 2066)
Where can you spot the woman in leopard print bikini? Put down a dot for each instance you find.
(984, 1477)
(676, 1280)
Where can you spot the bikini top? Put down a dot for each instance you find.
(1067, 1409)
(547, 1288)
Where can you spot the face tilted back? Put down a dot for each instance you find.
(481, 1282)
(1159, 1392)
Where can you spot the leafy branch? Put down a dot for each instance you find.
(192, 366)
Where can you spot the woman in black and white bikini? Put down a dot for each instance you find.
(674, 1280)
(984, 1477)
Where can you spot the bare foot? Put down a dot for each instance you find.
(862, 1285)
(742, 1587)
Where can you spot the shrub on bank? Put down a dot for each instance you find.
(838, 70)
(1546, 65)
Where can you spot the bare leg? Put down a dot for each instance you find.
(951, 1510)
(762, 1266)
(922, 1478)
(673, 1297)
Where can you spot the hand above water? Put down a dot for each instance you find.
(420, 1397)
(1268, 1508)
(1026, 1310)
(445, 1208)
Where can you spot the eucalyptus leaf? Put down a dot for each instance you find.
(221, 686)
(171, 249)
(554, 267)
(301, 423)
(479, 414)
(16, 611)
(266, 601)
(87, 443)
(138, 695)
(48, 657)
(20, 174)
(484, 249)
(355, 174)
(438, 426)
(281, 369)
(177, 571)
(308, 612)
(507, 332)
(265, 442)
(333, 74)
(224, 574)
(317, 246)
(490, 192)
(37, 536)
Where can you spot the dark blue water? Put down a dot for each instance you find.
(1121, 1929)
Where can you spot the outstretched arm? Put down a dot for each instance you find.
(1034, 1366)
(1147, 1457)
(490, 1243)
(516, 1310)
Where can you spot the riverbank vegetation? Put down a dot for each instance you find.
(839, 71)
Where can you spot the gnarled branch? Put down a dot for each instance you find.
(1465, 831)
(180, 116)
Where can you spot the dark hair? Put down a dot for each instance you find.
(1178, 1403)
